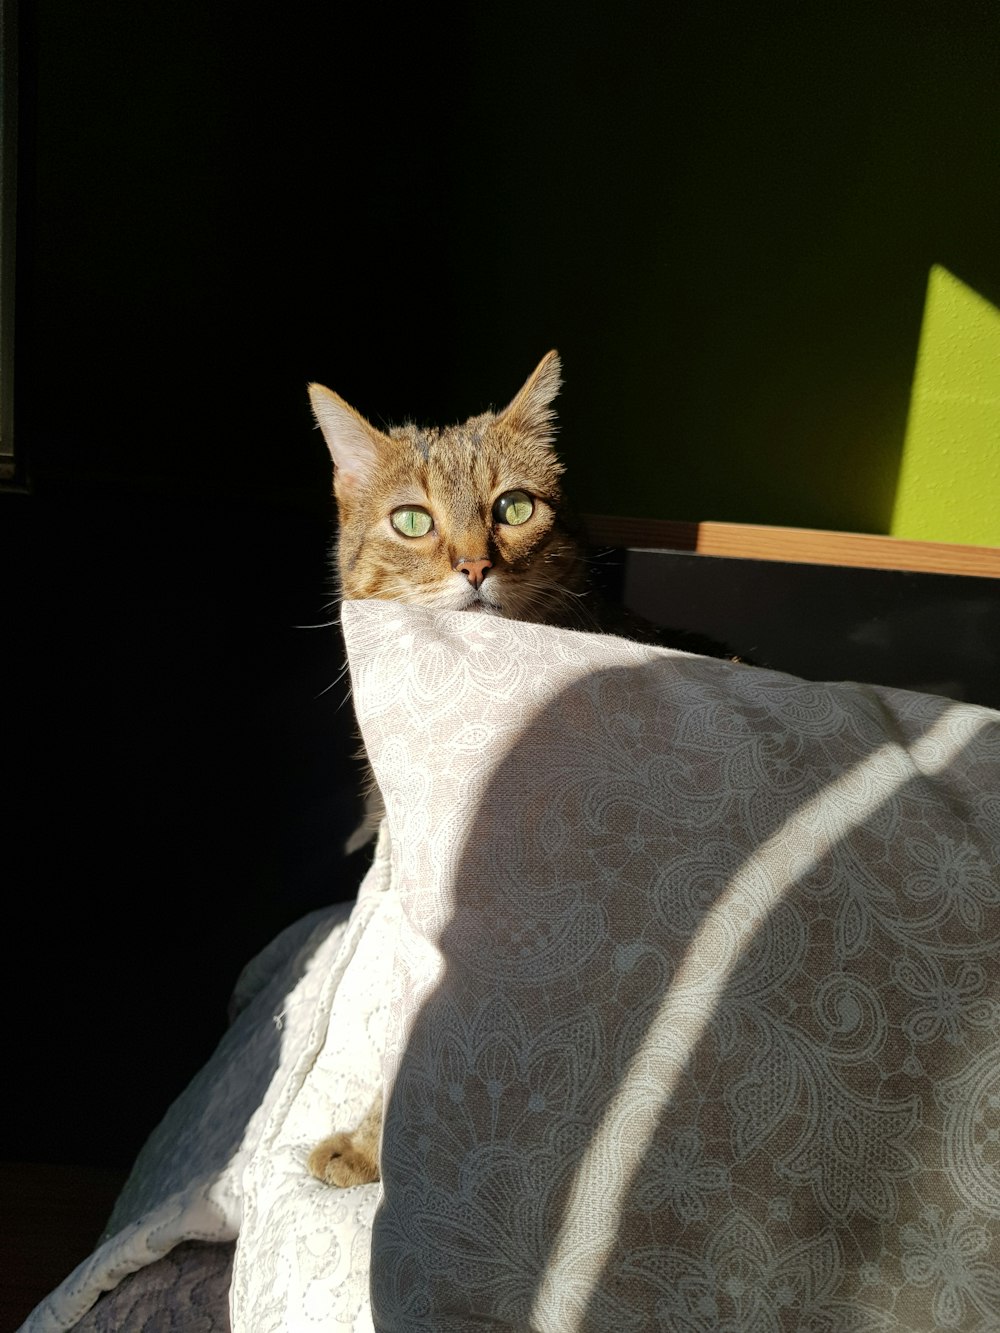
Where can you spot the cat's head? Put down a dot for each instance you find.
(464, 517)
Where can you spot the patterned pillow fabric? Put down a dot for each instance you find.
(696, 1005)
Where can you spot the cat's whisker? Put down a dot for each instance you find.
(397, 589)
(569, 603)
(333, 684)
(543, 590)
(344, 700)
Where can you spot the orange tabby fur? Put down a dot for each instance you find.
(468, 561)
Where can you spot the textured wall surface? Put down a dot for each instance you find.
(949, 481)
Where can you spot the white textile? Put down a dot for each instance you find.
(301, 1058)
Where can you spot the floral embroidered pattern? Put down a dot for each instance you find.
(950, 999)
(953, 874)
(740, 1281)
(678, 1177)
(696, 990)
(951, 1255)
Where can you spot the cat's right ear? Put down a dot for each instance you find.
(352, 442)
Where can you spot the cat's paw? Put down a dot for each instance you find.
(340, 1160)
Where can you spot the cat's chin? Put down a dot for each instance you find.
(483, 609)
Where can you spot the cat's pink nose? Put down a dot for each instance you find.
(474, 570)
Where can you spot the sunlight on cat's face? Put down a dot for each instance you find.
(462, 518)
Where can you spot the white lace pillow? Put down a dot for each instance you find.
(696, 1013)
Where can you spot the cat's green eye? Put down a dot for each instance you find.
(412, 522)
(514, 508)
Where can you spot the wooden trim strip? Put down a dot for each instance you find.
(809, 546)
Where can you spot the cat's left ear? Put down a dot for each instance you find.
(531, 412)
(352, 442)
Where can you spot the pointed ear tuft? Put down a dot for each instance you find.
(531, 412)
(353, 443)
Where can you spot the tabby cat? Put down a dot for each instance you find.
(468, 518)
(465, 518)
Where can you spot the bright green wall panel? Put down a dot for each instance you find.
(949, 480)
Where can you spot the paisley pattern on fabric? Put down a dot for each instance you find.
(697, 991)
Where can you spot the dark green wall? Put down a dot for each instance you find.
(724, 215)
